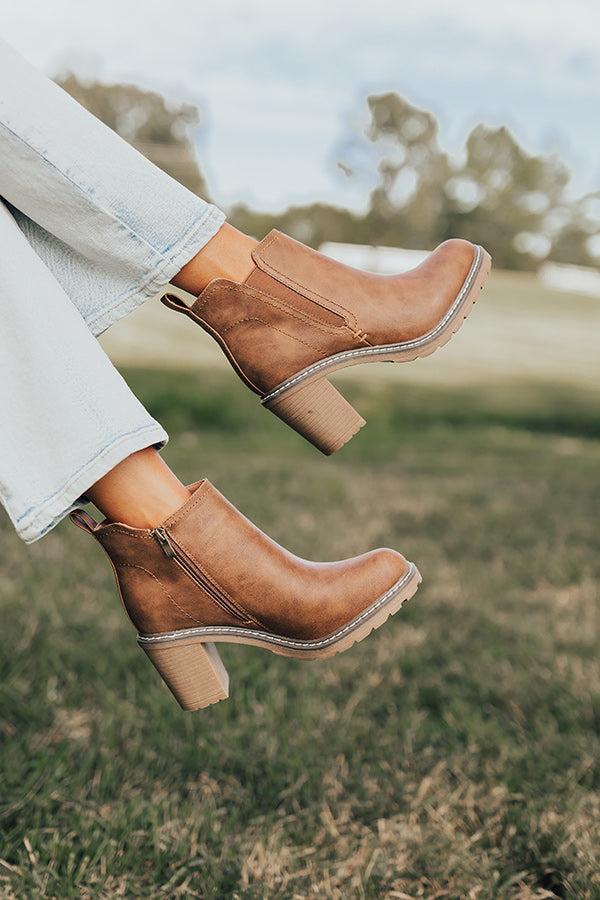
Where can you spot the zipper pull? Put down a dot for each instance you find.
(163, 539)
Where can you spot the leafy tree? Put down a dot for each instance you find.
(578, 241)
(313, 224)
(159, 130)
(500, 196)
(511, 198)
(514, 203)
(408, 205)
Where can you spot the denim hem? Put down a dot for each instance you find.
(180, 253)
(42, 518)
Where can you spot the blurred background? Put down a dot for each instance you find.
(454, 753)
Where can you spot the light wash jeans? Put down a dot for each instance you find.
(89, 230)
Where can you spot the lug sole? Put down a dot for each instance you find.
(190, 665)
(314, 408)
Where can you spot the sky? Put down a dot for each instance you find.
(281, 86)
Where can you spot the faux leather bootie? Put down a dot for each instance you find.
(300, 316)
(207, 574)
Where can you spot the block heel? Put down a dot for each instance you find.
(193, 671)
(319, 413)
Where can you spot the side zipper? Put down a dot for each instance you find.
(173, 551)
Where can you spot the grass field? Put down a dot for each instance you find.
(453, 754)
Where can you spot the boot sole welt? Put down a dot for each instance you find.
(314, 408)
(190, 665)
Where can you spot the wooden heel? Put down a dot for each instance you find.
(319, 413)
(192, 671)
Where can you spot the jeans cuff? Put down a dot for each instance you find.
(180, 253)
(41, 518)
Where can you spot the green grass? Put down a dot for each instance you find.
(453, 754)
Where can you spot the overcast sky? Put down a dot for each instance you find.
(281, 84)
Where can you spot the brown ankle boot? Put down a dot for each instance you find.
(207, 574)
(300, 316)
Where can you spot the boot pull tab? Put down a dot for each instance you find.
(83, 520)
(178, 299)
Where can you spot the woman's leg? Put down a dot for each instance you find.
(67, 415)
(141, 491)
(112, 228)
(71, 424)
(191, 569)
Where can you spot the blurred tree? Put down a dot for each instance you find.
(578, 240)
(500, 196)
(159, 130)
(506, 199)
(408, 205)
(514, 203)
(313, 224)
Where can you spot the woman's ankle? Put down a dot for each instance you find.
(227, 255)
(141, 491)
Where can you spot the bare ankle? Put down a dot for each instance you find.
(227, 255)
(141, 491)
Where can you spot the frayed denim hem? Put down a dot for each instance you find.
(36, 522)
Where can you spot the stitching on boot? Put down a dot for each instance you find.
(199, 497)
(163, 588)
(262, 297)
(303, 317)
(279, 330)
(116, 529)
(289, 279)
(214, 333)
(219, 587)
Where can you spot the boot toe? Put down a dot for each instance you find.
(454, 258)
(367, 579)
(391, 566)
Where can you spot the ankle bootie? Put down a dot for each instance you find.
(207, 574)
(300, 316)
